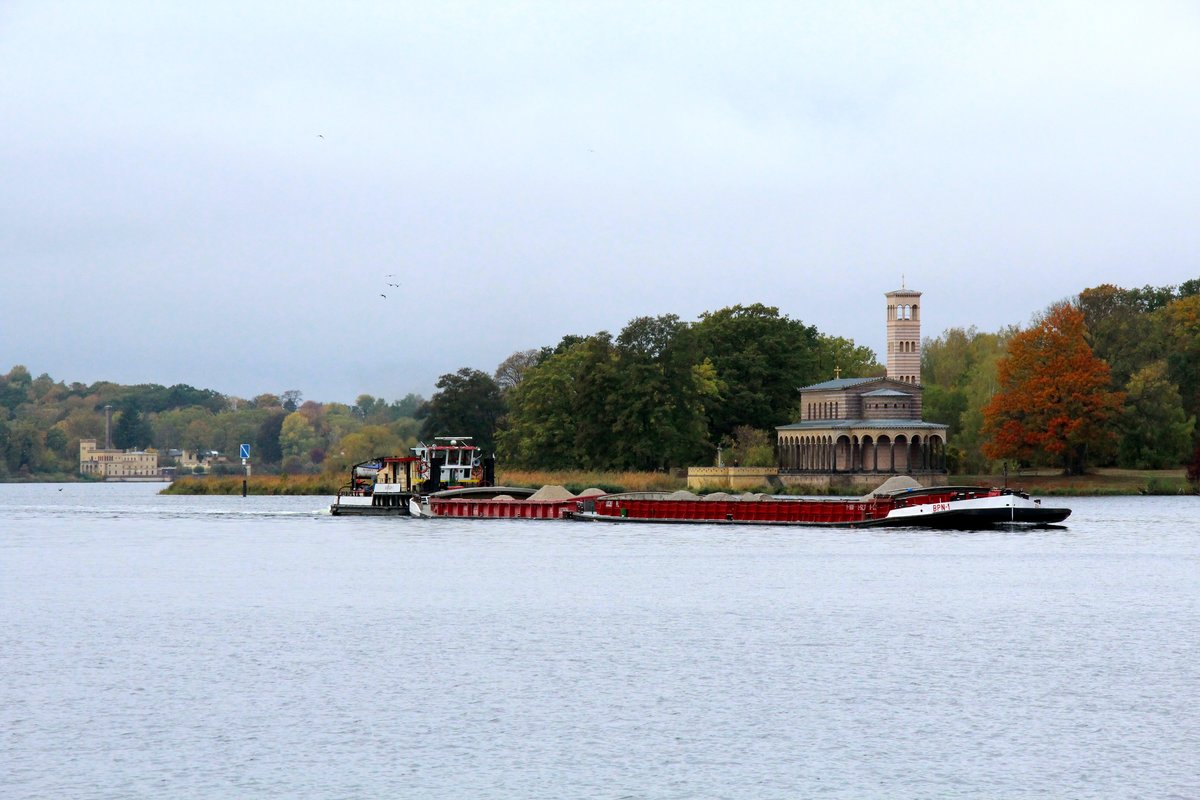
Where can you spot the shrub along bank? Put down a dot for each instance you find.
(1047, 483)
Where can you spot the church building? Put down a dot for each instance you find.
(863, 430)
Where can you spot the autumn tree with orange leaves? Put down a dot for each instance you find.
(1055, 400)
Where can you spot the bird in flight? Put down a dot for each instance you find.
(382, 295)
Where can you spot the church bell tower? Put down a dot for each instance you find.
(904, 335)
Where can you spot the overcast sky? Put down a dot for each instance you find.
(217, 193)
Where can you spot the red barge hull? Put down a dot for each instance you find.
(498, 509)
(943, 506)
(938, 507)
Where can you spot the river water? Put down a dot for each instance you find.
(189, 647)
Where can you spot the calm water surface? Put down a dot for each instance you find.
(257, 647)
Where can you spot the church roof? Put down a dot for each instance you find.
(839, 383)
(843, 424)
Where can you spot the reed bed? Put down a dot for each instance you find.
(256, 484)
(1102, 482)
(1099, 483)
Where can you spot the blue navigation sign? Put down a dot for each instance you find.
(245, 451)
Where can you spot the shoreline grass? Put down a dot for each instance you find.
(1099, 483)
(256, 485)
(1105, 482)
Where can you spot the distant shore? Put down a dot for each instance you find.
(1045, 482)
(1107, 481)
(1114, 482)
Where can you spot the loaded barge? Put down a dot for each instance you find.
(451, 479)
(932, 507)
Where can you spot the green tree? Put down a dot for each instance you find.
(131, 429)
(982, 384)
(958, 370)
(82, 423)
(56, 444)
(183, 396)
(1193, 468)
(340, 421)
(198, 436)
(945, 404)
(838, 355)
(662, 389)
(1155, 431)
(560, 415)
(369, 441)
(297, 438)
(407, 406)
(232, 429)
(15, 387)
(44, 388)
(171, 428)
(266, 438)
(1120, 327)
(373, 410)
(760, 358)
(267, 401)
(467, 403)
(1055, 400)
(1179, 326)
(512, 369)
(23, 448)
(748, 447)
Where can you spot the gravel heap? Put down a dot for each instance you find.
(552, 492)
(895, 483)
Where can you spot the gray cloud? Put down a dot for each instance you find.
(215, 194)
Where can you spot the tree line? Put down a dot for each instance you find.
(1111, 377)
(42, 422)
(662, 393)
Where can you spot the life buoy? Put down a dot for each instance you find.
(475, 462)
(422, 469)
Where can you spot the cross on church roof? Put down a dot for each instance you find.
(837, 373)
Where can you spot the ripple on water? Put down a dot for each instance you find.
(257, 646)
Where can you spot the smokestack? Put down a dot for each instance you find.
(108, 428)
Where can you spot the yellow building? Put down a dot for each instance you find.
(117, 464)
